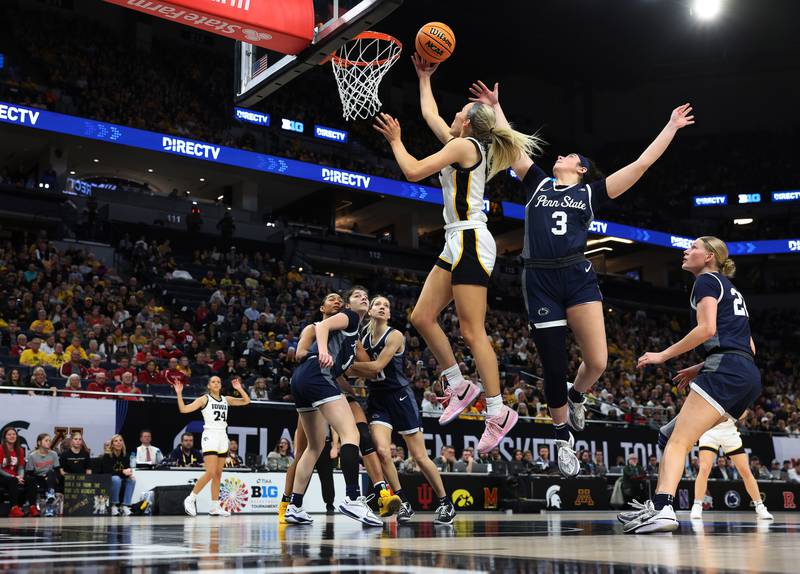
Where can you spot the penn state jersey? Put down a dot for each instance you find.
(557, 217)
(733, 321)
(392, 376)
(341, 346)
(462, 189)
(215, 414)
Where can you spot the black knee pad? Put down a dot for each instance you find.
(365, 444)
(551, 344)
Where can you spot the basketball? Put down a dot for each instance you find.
(435, 42)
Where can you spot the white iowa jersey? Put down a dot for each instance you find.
(215, 414)
(462, 189)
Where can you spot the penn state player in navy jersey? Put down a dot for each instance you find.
(393, 407)
(319, 402)
(558, 283)
(723, 386)
(474, 149)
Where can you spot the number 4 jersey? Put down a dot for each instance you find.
(557, 217)
(733, 323)
(215, 414)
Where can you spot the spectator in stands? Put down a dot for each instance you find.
(20, 346)
(42, 325)
(170, 351)
(94, 367)
(75, 458)
(128, 386)
(150, 375)
(38, 382)
(48, 346)
(252, 313)
(431, 406)
(184, 367)
(633, 479)
(73, 387)
(542, 464)
(185, 454)
(759, 471)
(14, 379)
(793, 474)
(116, 463)
(721, 471)
(446, 460)
(172, 374)
(233, 459)
(258, 392)
(32, 356)
(75, 365)
(652, 466)
(58, 357)
(201, 366)
(146, 455)
(282, 391)
(75, 345)
(600, 468)
(124, 366)
(12, 469)
(98, 385)
(587, 466)
(466, 462)
(398, 456)
(41, 473)
(280, 458)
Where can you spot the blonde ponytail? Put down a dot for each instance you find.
(719, 250)
(505, 144)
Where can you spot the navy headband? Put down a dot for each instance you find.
(584, 161)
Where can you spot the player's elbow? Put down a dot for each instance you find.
(707, 330)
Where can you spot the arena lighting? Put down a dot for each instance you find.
(706, 10)
(95, 160)
(743, 221)
(149, 170)
(607, 239)
(220, 197)
(598, 250)
(202, 179)
(72, 172)
(194, 203)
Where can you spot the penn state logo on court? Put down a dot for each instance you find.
(732, 499)
(553, 498)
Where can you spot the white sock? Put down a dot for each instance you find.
(494, 405)
(192, 496)
(214, 503)
(455, 379)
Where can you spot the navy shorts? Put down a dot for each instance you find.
(396, 409)
(550, 292)
(731, 383)
(312, 388)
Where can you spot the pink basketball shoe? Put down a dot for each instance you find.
(496, 428)
(458, 401)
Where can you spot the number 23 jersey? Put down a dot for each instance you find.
(557, 217)
(215, 413)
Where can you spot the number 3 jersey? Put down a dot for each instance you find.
(557, 217)
(733, 323)
(215, 414)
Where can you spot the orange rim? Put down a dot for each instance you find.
(368, 35)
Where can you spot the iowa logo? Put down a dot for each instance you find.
(462, 498)
(584, 497)
(489, 498)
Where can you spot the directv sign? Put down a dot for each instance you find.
(749, 198)
(251, 117)
(330, 134)
(786, 195)
(704, 200)
(28, 117)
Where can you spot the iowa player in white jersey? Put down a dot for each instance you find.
(214, 442)
(723, 386)
(558, 283)
(474, 149)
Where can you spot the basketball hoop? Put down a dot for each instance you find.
(359, 66)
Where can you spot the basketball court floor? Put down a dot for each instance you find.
(477, 542)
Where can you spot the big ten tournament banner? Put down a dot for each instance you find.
(240, 492)
(615, 442)
(86, 494)
(58, 417)
(467, 491)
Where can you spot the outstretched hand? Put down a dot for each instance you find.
(388, 126)
(423, 68)
(482, 94)
(681, 117)
(178, 386)
(686, 376)
(650, 359)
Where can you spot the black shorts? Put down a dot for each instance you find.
(396, 409)
(730, 383)
(550, 292)
(312, 388)
(469, 254)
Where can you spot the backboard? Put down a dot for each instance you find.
(260, 71)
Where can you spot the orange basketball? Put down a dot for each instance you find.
(435, 42)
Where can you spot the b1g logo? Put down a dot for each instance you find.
(264, 491)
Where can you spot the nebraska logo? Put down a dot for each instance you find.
(584, 497)
(425, 495)
(489, 498)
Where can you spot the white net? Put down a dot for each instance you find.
(359, 66)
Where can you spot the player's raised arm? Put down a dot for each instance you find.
(621, 181)
(481, 93)
(195, 405)
(430, 111)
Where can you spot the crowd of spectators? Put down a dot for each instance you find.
(122, 83)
